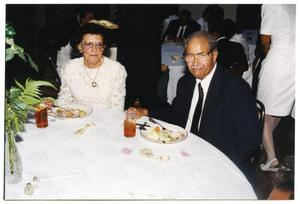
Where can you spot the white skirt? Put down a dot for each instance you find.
(276, 85)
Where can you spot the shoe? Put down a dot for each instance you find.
(268, 167)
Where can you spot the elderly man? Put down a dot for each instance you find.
(214, 104)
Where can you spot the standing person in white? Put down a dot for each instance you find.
(276, 86)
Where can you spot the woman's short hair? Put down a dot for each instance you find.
(90, 28)
(212, 41)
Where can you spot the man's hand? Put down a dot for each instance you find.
(139, 112)
(178, 40)
(164, 68)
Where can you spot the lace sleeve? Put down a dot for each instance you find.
(119, 91)
(64, 95)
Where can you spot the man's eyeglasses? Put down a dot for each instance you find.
(88, 46)
(189, 57)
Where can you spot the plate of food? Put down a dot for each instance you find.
(73, 110)
(168, 135)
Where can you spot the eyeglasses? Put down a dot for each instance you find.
(88, 46)
(189, 57)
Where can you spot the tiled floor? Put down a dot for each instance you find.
(284, 140)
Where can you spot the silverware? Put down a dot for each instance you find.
(142, 126)
(154, 121)
(83, 129)
(145, 124)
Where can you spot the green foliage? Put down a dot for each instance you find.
(19, 100)
(14, 49)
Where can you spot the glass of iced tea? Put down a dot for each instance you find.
(41, 115)
(129, 124)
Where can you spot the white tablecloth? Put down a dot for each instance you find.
(176, 67)
(103, 164)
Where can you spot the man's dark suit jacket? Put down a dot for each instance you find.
(174, 25)
(229, 119)
(232, 56)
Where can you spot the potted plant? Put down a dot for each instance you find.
(19, 100)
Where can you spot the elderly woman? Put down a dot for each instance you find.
(93, 78)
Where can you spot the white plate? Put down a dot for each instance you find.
(73, 110)
(173, 134)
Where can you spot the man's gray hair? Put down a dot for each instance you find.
(212, 41)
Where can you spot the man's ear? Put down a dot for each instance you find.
(215, 54)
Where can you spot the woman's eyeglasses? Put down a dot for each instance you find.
(89, 46)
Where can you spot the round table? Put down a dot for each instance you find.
(171, 55)
(103, 164)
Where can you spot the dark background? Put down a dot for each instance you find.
(43, 29)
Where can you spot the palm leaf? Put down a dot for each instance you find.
(32, 63)
(31, 93)
(22, 56)
(9, 54)
(19, 85)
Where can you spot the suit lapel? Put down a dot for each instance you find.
(188, 95)
(212, 99)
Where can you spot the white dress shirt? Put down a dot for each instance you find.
(77, 84)
(179, 30)
(205, 85)
(203, 24)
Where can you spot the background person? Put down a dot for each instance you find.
(230, 54)
(283, 180)
(180, 29)
(276, 83)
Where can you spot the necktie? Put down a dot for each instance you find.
(181, 32)
(197, 112)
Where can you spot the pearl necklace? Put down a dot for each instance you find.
(94, 83)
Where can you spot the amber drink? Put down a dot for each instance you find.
(129, 124)
(41, 116)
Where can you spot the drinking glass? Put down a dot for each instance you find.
(129, 124)
(41, 116)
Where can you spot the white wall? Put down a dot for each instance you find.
(197, 9)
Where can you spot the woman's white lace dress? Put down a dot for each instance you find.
(77, 84)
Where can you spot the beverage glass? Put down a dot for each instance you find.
(129, 124)
(41, 116)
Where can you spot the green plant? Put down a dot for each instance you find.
(19, 99)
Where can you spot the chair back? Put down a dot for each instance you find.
(260, 112)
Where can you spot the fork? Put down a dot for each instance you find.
(82, 130)
(154, 121)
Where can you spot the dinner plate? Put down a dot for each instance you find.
(155, 133)
(72, 110)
